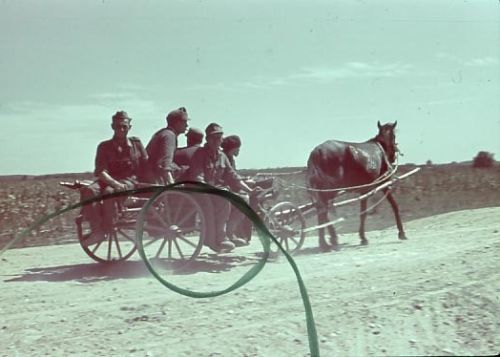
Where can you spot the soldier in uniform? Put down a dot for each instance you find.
(162, 146)
(238, 225)
(210, 165)
(194, 137)
(184, 155)
(231, 146)
(119, 163)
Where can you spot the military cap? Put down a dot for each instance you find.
(121, 115)
(177, 114)
(195, 133)
(213, 128)
(231, 142)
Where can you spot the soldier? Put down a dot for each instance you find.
(210, 165)
(237, 225)
(162, 146)
(194, 137)
(231, 146)
(118, 165)
(184, 155)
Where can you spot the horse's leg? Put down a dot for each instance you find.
(362, 218)
(322, 212)
(333, 234)
(333, 237)
(395, 209)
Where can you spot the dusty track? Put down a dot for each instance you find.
(435, 294)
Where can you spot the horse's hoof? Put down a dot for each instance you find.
(402, 236)
(364, 242)
(335, 247)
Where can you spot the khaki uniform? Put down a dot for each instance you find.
(125, 164)
(216, 170)
(161, 150)
(183, 157)
(238, 225)
(122, 163)
(212, 168)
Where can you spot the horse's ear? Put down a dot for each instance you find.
(378, 124)
(394, 125)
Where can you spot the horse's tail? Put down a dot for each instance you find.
(313, 171)
(316, 177)
(324, 170)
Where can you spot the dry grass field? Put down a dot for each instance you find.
(433, 190)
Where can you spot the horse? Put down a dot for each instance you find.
(335, 165)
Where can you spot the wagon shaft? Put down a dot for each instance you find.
(331, 223)
(376, 189)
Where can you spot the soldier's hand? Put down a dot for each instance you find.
(120, 186)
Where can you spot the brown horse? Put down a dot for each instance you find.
(337, 164)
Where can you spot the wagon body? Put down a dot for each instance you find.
(173, 229)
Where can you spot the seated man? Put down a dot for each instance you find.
(238, 225)
(162, 146)
(118, 164)
(210, 165)
(183, 156)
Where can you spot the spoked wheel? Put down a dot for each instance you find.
(173, 229)
(117, 245)
(286, 222)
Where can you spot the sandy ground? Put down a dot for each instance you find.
(435, 294)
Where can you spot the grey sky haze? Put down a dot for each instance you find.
(284, 75)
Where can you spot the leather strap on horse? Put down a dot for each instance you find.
(387, 175)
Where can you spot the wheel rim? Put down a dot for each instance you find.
(117, 245)
(173, 230)
(286, 222)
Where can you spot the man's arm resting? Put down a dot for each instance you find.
(245, 187)
(108, 179)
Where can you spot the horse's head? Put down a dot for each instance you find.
(387, 139)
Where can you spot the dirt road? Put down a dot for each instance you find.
(435, 294)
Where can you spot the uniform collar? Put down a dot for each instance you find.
(171, 129)
(118, 143)
(211, 153)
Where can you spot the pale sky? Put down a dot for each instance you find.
(285, 75)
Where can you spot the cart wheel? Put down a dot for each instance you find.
(286, 222)
(117, 245)
(174, 229)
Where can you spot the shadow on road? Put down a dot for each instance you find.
(317, 250)
(345, 247)
(208, 263)
(92, 272)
